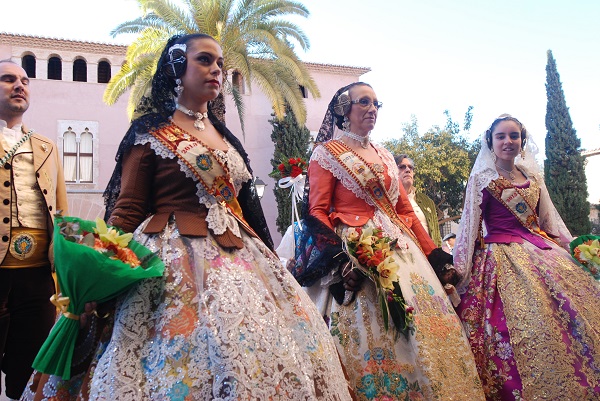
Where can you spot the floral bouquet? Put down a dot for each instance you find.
(586, 250)
(372, 254)
(93, 263)
(292, 167)
(291, 174)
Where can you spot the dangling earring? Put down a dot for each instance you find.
(494, 157)
(522, 153)
(179, 87)
(346, 124)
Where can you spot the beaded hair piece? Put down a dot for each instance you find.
(180, 46)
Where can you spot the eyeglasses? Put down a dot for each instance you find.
(403, 167)
(366, 103)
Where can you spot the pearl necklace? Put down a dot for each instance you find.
(510, 173)
(363, 140)
(198, 124)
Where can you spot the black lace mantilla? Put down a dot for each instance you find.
(248, 198)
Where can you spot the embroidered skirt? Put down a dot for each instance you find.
(533, 319)
(220, 325)
(435, 361)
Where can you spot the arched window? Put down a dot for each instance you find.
(80, 70)
(78, 156)
(54, 68)
(70, 155)
(103, 72)
(86, 156)
(28, 64)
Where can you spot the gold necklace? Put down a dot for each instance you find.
(510, 173)
(198, 124)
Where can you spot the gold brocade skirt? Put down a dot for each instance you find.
(533, 320)
(434, 362)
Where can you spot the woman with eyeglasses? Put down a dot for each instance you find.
(352, 187)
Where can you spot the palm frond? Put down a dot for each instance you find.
(239, 104)
(255, 37)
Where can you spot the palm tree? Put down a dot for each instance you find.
(256, 43)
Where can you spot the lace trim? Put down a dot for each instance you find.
(162, 151)
(193, 333)
(468, 229)
(238, 172)
(219, 220)
(155, 145)
(382, 220)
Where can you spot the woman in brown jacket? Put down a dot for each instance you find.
(226, 321)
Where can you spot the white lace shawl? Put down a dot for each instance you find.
(484, 171)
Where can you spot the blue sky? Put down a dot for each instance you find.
(426, 55)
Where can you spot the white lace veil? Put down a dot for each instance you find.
(483, 172)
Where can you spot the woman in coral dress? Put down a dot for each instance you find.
(353, 183)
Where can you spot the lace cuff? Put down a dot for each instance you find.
(219, 219)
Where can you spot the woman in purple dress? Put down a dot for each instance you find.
(531, 313)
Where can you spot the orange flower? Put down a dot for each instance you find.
(126, 255)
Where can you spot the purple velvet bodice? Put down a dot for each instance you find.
(502, 226)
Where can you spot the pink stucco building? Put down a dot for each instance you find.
(66, 105)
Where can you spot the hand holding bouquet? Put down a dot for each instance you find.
(93, 263)
(372, 254)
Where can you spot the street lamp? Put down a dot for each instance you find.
(260, 187)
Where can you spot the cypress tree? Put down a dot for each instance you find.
(291, 141)
(564, 167)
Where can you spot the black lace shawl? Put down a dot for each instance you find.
(319, 248)
(248, 198)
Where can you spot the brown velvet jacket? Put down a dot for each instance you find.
(154, 185)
